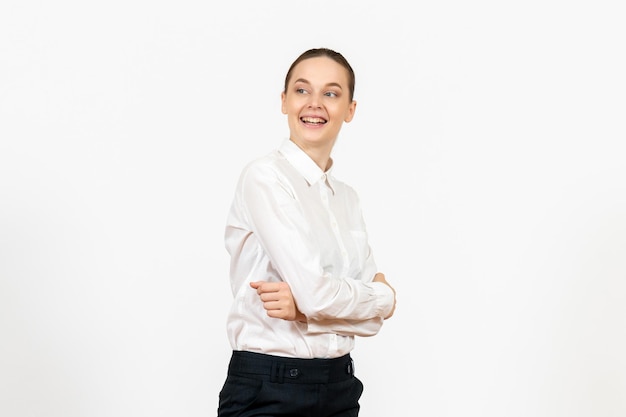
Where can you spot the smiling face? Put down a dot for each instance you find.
(317, 102)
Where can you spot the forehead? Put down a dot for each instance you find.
(320, 70)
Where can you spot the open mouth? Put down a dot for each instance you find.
(313, 120)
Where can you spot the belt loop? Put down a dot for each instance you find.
(277, 373)
(274, 372)
(350, 367)
(281, 373)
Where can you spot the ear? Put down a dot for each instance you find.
(283, 107)
(350, 113)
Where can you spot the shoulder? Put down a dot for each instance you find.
(340, 183)
(267, 162)
(269, 167)
(343, 188)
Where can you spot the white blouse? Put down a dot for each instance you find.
(290, 221)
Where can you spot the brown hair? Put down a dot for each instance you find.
(329, 53)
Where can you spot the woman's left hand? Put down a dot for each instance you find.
(278, 300)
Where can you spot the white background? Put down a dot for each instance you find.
(487, 146)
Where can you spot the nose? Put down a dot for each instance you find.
(314, 101)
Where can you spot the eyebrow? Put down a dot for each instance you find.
(333, 84)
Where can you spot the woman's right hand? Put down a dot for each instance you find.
(380, 277)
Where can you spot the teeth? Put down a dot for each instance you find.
(313, 120)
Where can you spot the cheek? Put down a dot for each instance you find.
(348, 115)
(291, 108)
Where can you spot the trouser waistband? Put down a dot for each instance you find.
(293, 370)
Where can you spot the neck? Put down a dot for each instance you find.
(323, 161)
(319, 154)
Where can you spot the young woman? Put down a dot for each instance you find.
(302, 273)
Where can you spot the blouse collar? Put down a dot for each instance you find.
(303, 163)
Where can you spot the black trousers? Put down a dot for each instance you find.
(262, 385)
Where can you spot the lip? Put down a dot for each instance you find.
(311, 120)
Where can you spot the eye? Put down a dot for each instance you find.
(330, 94)
(300, 91)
